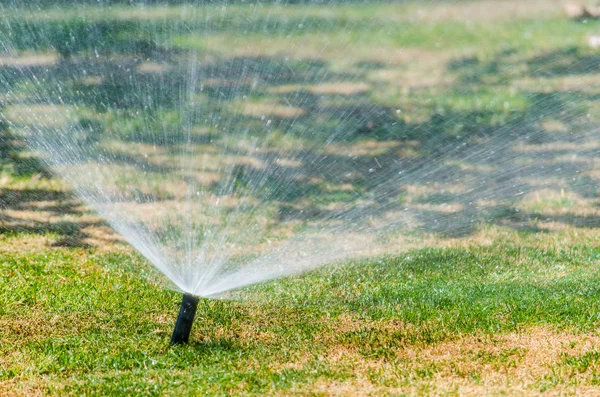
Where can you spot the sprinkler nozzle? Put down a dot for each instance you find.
(185, 319)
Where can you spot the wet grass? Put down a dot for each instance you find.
(77, 321)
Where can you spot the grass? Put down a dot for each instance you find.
(78, 321)
(488, 291)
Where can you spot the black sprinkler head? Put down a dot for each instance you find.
(183, 326)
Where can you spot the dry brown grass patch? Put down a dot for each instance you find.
(480, 11)
(18, 387)
(339, 88)
(584, 83)
(29, 60)
(514, 363)
(38, 326)
(364, 148)
(266, 109)
(153, 68)
(557, 147)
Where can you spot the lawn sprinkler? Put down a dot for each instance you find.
(185, 319)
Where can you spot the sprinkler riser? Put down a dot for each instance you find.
(185, 319)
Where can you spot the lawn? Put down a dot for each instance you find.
(474, 131)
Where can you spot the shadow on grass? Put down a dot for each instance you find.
(52, 204)
(139, 92)
(13, 159)
(217, 345)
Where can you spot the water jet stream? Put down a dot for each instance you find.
(232, 144)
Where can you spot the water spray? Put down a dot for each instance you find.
(185, 319)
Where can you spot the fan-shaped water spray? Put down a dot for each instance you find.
(236, 143)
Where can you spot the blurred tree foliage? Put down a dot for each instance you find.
(46, 3)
